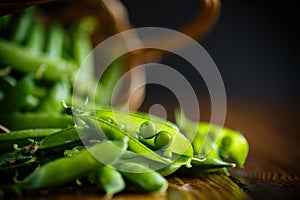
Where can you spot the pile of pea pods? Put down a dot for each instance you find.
(42, 138)
(113, 150)
(40, 59)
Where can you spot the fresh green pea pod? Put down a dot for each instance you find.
(62, 139)
(145, 179)
(132, 122)
(108, 80)
(36, 38)
(61, 90)
(109, 179)
(30, 120)
(233, 145)
(83, 55)
(27, 62)
(55, 43)
(75, 167)
(215, 141)
(113, 132)
(23, 25)
(21, 137)
(162, 168)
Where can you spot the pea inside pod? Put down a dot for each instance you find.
(180, 144)
(147, 130)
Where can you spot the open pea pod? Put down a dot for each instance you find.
(131, 123)
(180, 144)
(113, 132)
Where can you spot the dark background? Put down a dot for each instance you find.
(255, 44)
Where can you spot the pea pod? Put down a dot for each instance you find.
(19, 121)
(21, 137)
(23, 25)
(109, 179)
(75, 167)
(28, 62)
(132, 122)
(56, 40)
(214, 141)
(36, 38)
(61, 140)
(143, 178)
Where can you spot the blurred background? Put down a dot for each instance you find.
(255, 45)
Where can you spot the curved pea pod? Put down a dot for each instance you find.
(65, 170)
(233, 145)
(109, 179)
(132, 122)
(145, 179)
(21, 137)
(215, 141)
(28, 62)
(163, 168)
(18, 121)
(113, 132)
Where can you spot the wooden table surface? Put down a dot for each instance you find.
(272, 170)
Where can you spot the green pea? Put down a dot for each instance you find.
(179, 145)
(143, 178)
(163, 139)
(113, 132)
(147, 129)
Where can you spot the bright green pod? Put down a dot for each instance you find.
(109, 179)
(215, 141)
(30, 120)
(62, 139)
(113, 132)
(65, 170)
(145, 179)
(180, 144)
(21, 137)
